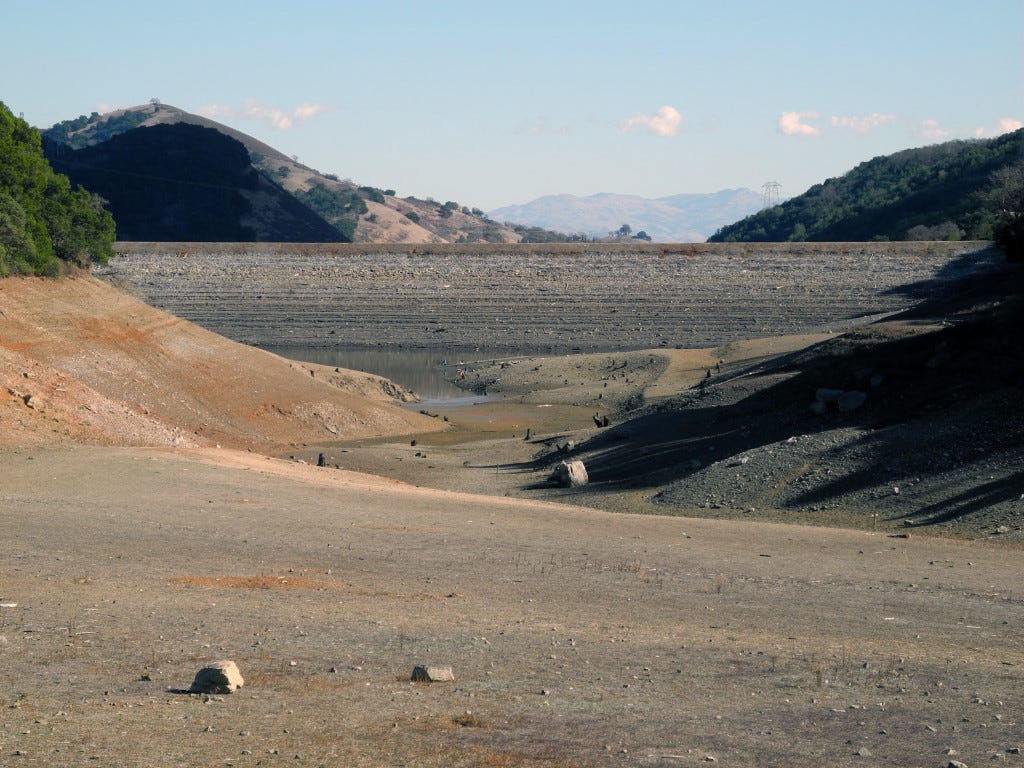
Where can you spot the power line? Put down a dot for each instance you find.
(770, 193)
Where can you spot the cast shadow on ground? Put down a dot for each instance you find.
(972, 500)
(953, 279)
(939, 382)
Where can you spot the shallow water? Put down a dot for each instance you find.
(422, 371)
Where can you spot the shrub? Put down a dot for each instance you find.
(44, 222)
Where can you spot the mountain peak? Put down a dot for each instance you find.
(687, 217)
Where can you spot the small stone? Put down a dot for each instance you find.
(430, 674)
(956, 764)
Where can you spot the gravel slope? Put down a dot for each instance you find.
(526, 298)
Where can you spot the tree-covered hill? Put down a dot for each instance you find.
(187, 183)
(358, 212)
(45, 224)
(954, 190)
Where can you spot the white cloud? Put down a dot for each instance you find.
(253, 110)
(665, 122)
(862, 123)
(1010, 124)
(309, 111)
(1005, 125)
(792, 124)
(932, 129)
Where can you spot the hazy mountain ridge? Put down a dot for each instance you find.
(676, 218)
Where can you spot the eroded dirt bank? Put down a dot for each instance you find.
(83, 362)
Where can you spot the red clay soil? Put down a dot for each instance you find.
(81, 362)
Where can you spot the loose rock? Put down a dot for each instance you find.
(423, 673)
(218, 677)
(851, 401)
(571, 474)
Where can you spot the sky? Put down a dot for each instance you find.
(498, 103)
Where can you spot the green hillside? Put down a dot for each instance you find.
(186, 183)
(45, 224)
(352, 211)
(950, 191)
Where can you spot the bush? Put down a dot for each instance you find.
(44, 223)
(372, 193)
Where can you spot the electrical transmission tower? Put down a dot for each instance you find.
(770, 192)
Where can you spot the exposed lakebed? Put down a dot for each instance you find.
(551, 300)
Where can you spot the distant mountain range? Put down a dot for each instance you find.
(683, 218)
(173, 176)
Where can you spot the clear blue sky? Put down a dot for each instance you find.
(489, 103)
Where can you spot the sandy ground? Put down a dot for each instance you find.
(577, 637)
(138, 550)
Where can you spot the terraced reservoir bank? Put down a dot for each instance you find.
(536, 298)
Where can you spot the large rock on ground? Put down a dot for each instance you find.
(425, 673)
(218, 677)
(571, 474)
(851, 401)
